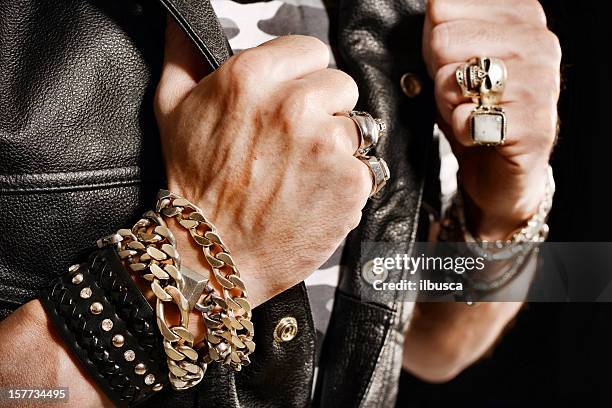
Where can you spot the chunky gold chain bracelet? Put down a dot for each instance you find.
(227, 318)
(150, 249)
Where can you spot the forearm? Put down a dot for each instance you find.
(503, 180)
(34, 357)
(446, 338)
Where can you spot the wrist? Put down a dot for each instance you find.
(44, 367)
(500, 217)
(219, 294)
(246, 253)
(193, 257)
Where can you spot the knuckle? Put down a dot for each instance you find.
(549, 119)
(534, 8)
(354, 220)
(320, 48)
(545, 127)
(435, 10)
(547, 43)
(161, 101)
(549, 40)
(362, 184)
(551, 84)
(440, 40)
(441, 83)
(317, 45)
(443, 73)
(293, 108)
(347, 84)
(555, 47)
(244, 68)
(311, 46)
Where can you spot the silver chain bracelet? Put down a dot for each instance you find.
(515, 249)
(533, 232)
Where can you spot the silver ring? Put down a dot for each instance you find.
(380, 172)
(370, 130)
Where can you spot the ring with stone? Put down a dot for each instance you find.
(487, 125)
(370, 131)
(379, 170)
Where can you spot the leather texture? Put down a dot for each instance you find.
(133, 318)
(76, 123)
(380, 41)
(79, 144)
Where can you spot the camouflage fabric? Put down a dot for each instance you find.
(248, 24)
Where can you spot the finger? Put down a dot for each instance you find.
(353, 181)
(460, 40)
(282, 59)
(367, 185)
(529, 84)
(498, 11)
(447, 91)
(330, 89)
(182, 69)
(526, 128)
(364, 178)
(346, 134)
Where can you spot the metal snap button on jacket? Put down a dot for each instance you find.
(371, 274)
(411, 85)
(286, 329)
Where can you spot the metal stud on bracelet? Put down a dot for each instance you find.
(102, 331)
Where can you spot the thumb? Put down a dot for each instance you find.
(183, 68)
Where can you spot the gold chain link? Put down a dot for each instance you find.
(150, 249)
(228, 318)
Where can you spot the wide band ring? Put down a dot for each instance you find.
(483, 79)
(370, 131)
(380, 172)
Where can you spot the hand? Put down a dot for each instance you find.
(256, 145)
(505, 184)
(34, 357)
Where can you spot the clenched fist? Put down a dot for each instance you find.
(256, 145)
(504, 184)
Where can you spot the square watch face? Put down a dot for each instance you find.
(488, 127)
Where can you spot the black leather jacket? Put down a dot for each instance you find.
(79, 147)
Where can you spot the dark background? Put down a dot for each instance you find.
(557, 355)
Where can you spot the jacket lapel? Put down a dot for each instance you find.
(199, 21)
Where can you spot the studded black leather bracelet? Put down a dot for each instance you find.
(108, 324)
